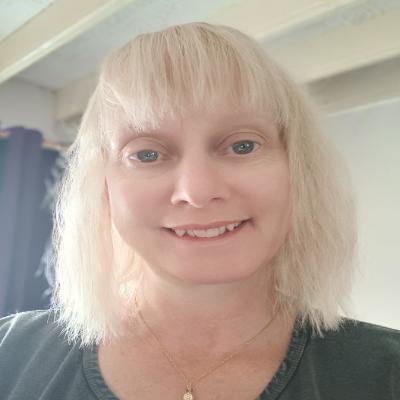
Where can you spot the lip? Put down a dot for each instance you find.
(220, 238)
(218, 224)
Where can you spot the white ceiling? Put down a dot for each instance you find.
(81, 56)
(15, 13)
(346, 51)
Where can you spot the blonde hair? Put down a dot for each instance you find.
(169, 72)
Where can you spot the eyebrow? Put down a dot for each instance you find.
(130, 135)
(245, 123)
(162, 135)
(224, 127)
(147, 134)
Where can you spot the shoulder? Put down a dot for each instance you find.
(350, 327)
(24, 320)
(357, 352)
(29, 335)
(35, 357)
(358, 361)
(28, 328)
(361, 336)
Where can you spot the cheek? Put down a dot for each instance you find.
(278, 188)
(271, 203)
(269, 188)
(132, 203)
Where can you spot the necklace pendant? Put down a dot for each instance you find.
(188, 394)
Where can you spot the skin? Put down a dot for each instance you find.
(221, 292)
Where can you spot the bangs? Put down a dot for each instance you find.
(186, 67)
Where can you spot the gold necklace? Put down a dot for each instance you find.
(188, 395)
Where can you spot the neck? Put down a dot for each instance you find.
(195, 319)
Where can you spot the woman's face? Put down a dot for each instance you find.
(206, 170)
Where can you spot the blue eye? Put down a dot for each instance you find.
(243, 147)
(149, 156)
(146, 156)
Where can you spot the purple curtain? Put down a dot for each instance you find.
(25, 223)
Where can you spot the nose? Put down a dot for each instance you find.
(199, 180)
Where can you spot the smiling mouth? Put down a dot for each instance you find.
(209, 234)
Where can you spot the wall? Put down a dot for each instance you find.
(370, 141)
(22, 103)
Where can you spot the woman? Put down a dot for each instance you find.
(204, 242)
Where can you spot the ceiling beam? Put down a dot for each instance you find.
(374, 40)
(357, 89)
(58, 24)
(14, 14)
(265, 20)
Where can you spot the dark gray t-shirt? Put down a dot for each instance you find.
(360, 361)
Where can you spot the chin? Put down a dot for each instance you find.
(212, 275)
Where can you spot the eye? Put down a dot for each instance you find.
(145, 156)
(244, 146)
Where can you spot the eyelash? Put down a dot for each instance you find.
(149, 151)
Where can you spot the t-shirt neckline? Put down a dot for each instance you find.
(279, 381)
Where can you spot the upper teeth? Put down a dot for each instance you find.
(209, 232)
